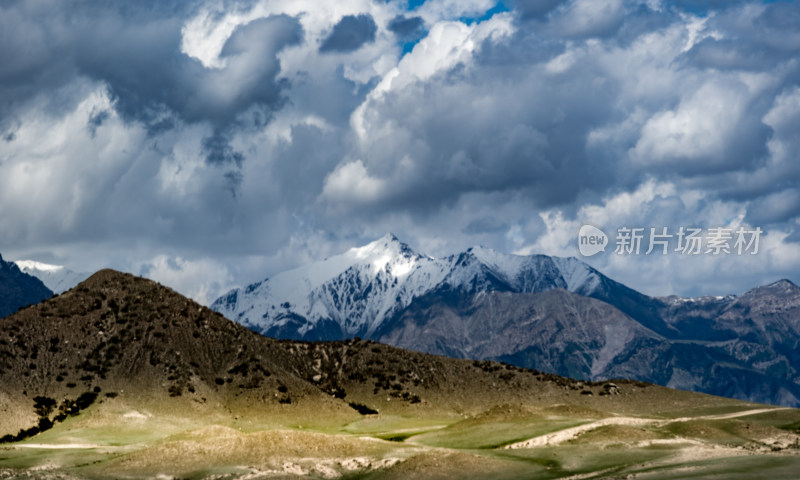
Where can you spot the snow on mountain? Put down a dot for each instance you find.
(352, 294)
(354, 290)
(57, 278)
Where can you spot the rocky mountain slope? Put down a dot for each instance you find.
(18, 289)
(554, 314)
(568, 334)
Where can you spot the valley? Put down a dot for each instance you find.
(127, 379)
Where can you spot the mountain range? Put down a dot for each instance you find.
(121, 377)
(554, 314)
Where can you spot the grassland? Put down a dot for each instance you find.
(115, 439)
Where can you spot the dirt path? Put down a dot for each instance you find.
(554, 438)
(60, 446)
(561, 436)
(727, 416)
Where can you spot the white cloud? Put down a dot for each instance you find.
(623, 209)
(698, 129)
(446, 45)
(659, 205)
(351, 182)
(202, 280)
(435, 11)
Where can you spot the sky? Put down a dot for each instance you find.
(211, 144)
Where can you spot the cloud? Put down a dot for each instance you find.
(778, 207)
(407, 28)
(535, 8)
(752, 37)
(588, 18)
(709, 130)
(137, 53)
(264, 133)
(351, 33)
(658, 205)
(203, 280)
(352, 183)
(146, 74)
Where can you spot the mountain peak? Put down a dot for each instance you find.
(388, 241)
(390, 237)
(783, 286)
(105, 277)
(354, 293)
(382, 250)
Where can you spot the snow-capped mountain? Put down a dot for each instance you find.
(554, 314)
(354, 293)
(57, 278)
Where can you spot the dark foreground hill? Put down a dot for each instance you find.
(18, 289)
(116, 334)
(121, 377)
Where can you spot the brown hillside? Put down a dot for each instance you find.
(116, 335)
(119, 335)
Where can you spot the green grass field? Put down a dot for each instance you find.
(117, 440)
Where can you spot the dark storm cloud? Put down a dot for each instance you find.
(535, 8)
(520, 136)
(407, 28)
(136, 50)
(351, 33)
(219, 151)
(703, 6)
(760, 44)
(35, 56)
(779, 208)
(147, 72)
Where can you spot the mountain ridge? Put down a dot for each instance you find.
(353, 293)
(386, 292)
